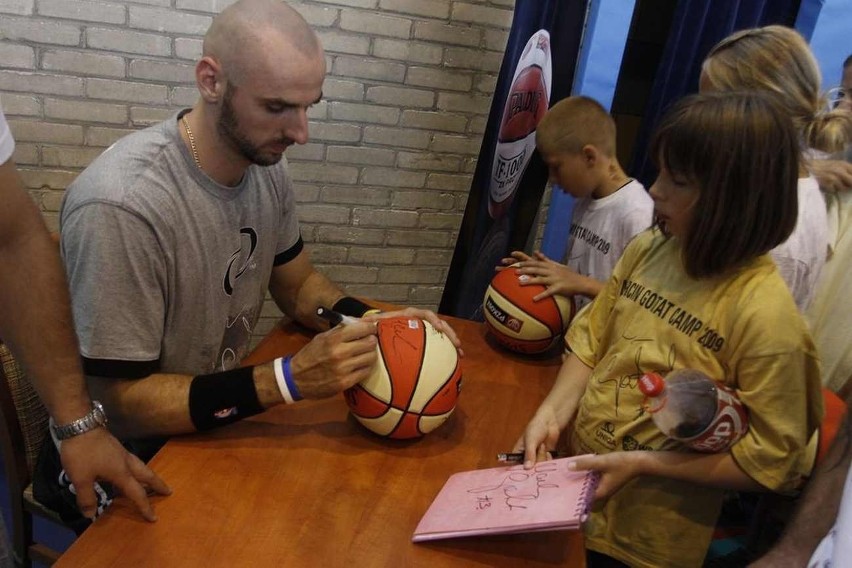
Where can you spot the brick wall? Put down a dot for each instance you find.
(381, 185)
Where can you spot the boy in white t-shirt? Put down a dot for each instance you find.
(576, 139)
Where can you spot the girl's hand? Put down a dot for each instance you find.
(541, 435)
(514, 258)
(616, 468)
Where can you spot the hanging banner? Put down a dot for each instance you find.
(505, 195)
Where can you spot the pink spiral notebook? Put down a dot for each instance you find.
(509, 499)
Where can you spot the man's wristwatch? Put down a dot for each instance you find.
(94, 419)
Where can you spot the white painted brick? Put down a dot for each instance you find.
(336, 42)
(163, 20)
(38, 131)
(334, 132)
(154, 2)
(368, 69)
(69, 157)
(348, 273)
(333, 214)
(126, 41)
(361, 155)
(211, 6)
(485, 83)
(14, 55)
(430, 162)
(410, 275)
(317, 15)
(328, 254)
(126, 91)
(396, 137)
(106, 12)
(41, 83)
(366, 22)
(384, 218)
(19, 7)
(83, 63)
(183, 96)
(352, 3)
(103, 136)
(395, 293)
(340, 89)
(418, 238)
(456, 144)
(379, 255)
(423, 200)
(188, 48)
(451, 182)
(433, 257)
(25, 154)
(321, 173)
(469, 58)
(162, 71)
(496, 40)
(25, 105)
(469, 103)
(305, 192)
(481, 15)
(477, 125)
(40, 31)
(434, 120)
(78, 111)
(351, 235)
(430, 8)
(392, 177)
(355, 195)
(411, 51)
(401, 96)
(313, 152)
(318, 111)
(428, 295)
(146, 116)
(450, 221)
(364, 113)
(446, 34)
(507, 3)
(44, 178)
(469, 165)
(439, 78)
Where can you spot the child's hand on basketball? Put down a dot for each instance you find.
(335, 360)
(428, 315)
(516, 257)
(616, 469)
(555, 277)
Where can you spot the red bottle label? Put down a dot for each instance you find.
(730, 424)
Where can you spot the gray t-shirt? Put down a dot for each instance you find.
(167, 268)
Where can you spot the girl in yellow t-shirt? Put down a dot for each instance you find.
(697, 291)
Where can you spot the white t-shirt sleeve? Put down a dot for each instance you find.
(7, 143)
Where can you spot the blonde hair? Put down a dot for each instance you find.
(575, 122)
(778, 60)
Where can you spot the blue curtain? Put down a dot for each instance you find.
(696, 27)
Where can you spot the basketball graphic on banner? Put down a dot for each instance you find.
(525, 106)
(415, 383)
(519, 323)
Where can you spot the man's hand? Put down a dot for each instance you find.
(430, 316)
(335, 360)
(97, 455)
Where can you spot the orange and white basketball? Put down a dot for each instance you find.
(519, 323)
(415, 384)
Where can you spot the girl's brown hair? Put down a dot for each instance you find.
(742, 151)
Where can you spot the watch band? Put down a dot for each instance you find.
(94, 419)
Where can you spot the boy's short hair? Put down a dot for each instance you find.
(847, 62)
(575, 122)
(742, 151)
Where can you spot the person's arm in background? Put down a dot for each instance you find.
(35, 321)
(817, 509)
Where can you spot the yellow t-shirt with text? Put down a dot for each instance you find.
(742, 329)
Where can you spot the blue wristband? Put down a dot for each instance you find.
(288, 378)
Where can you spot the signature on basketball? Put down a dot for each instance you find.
(399, 337)
(519, 489)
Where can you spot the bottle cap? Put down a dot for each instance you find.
(651, 384)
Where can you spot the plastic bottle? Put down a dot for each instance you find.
(691, 407)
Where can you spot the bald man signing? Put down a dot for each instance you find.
(172, 236)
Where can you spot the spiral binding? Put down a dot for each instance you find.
(587, 495)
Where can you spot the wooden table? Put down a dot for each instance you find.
(306, 485)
